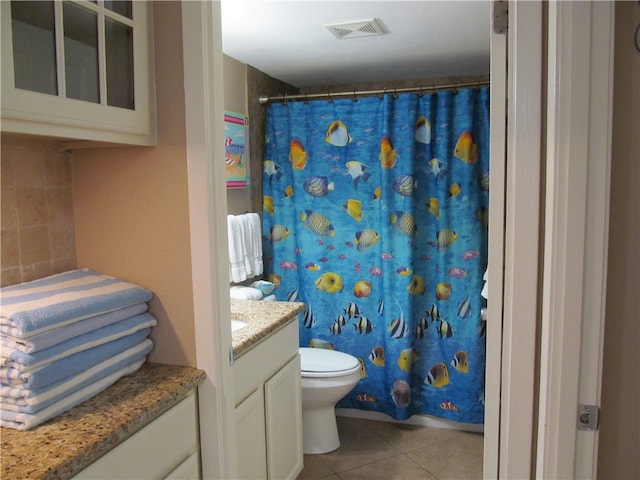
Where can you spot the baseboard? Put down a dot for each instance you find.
(420, 420)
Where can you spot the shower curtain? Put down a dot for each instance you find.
(375, 216)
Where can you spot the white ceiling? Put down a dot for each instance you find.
(425, 39)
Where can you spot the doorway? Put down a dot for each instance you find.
(495, 338)
(514, 376)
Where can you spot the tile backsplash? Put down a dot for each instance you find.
(37, 210)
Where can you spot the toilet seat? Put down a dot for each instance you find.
(320, 362)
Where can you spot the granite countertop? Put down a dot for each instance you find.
(262, 318)
(68, 443)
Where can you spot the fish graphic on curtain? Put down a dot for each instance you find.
(375, 216)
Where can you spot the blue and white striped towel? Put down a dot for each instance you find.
(45, 340)
(32, 401)
(34, 307)
(71, 365)
(25, 421)
(27, 362)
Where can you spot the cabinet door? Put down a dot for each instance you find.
(155, 450)
(187, 470)
(78, 70)
(250, 437)
(283, 411)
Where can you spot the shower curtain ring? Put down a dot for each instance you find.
(384, 92)
(355, 96)
(284, 101)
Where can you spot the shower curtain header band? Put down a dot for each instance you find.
(263, 99)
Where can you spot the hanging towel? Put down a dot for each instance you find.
(252, 235)
(245, 246)
(237, 269)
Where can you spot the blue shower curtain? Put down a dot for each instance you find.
(375, 216)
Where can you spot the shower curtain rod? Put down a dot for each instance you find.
(421, 89)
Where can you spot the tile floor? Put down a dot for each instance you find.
(381, 450)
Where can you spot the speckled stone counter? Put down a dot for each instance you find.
(68, 443)
(263, 318)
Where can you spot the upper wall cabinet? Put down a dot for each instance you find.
(79, 70)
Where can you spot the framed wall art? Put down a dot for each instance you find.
(236, 150)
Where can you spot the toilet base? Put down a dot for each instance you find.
(320, 430)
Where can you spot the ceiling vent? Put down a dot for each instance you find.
(362, 28)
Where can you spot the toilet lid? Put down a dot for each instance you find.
(321, 360)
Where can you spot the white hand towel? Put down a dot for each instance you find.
(255, 240)
(237, 270)
(245, 229)
(252, 241)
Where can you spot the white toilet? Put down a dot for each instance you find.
(327, 376)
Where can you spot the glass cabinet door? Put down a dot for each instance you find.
(75, 49)
(34, 46)
(119, 61)
(80, 27)
(78, 70)
(119, 6)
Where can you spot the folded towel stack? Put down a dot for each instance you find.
(258, 290)
(64, 339)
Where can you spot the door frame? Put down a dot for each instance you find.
(204, 115)
(514, 303)
(521, 225)
(495, 266)
(579, 128)
(542, 385)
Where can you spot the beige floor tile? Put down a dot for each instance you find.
(373, 450)
(359, 446)
(474, 440)
(348, 424)
(315, 468)
(407, 438)
(399, 467)
(459, 457)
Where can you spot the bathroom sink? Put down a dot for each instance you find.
(237, 325)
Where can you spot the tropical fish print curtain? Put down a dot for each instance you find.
(375, 216)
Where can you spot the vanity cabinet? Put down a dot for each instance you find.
(166, 448)
(268, 413)
(78, 70)
(251, 436)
